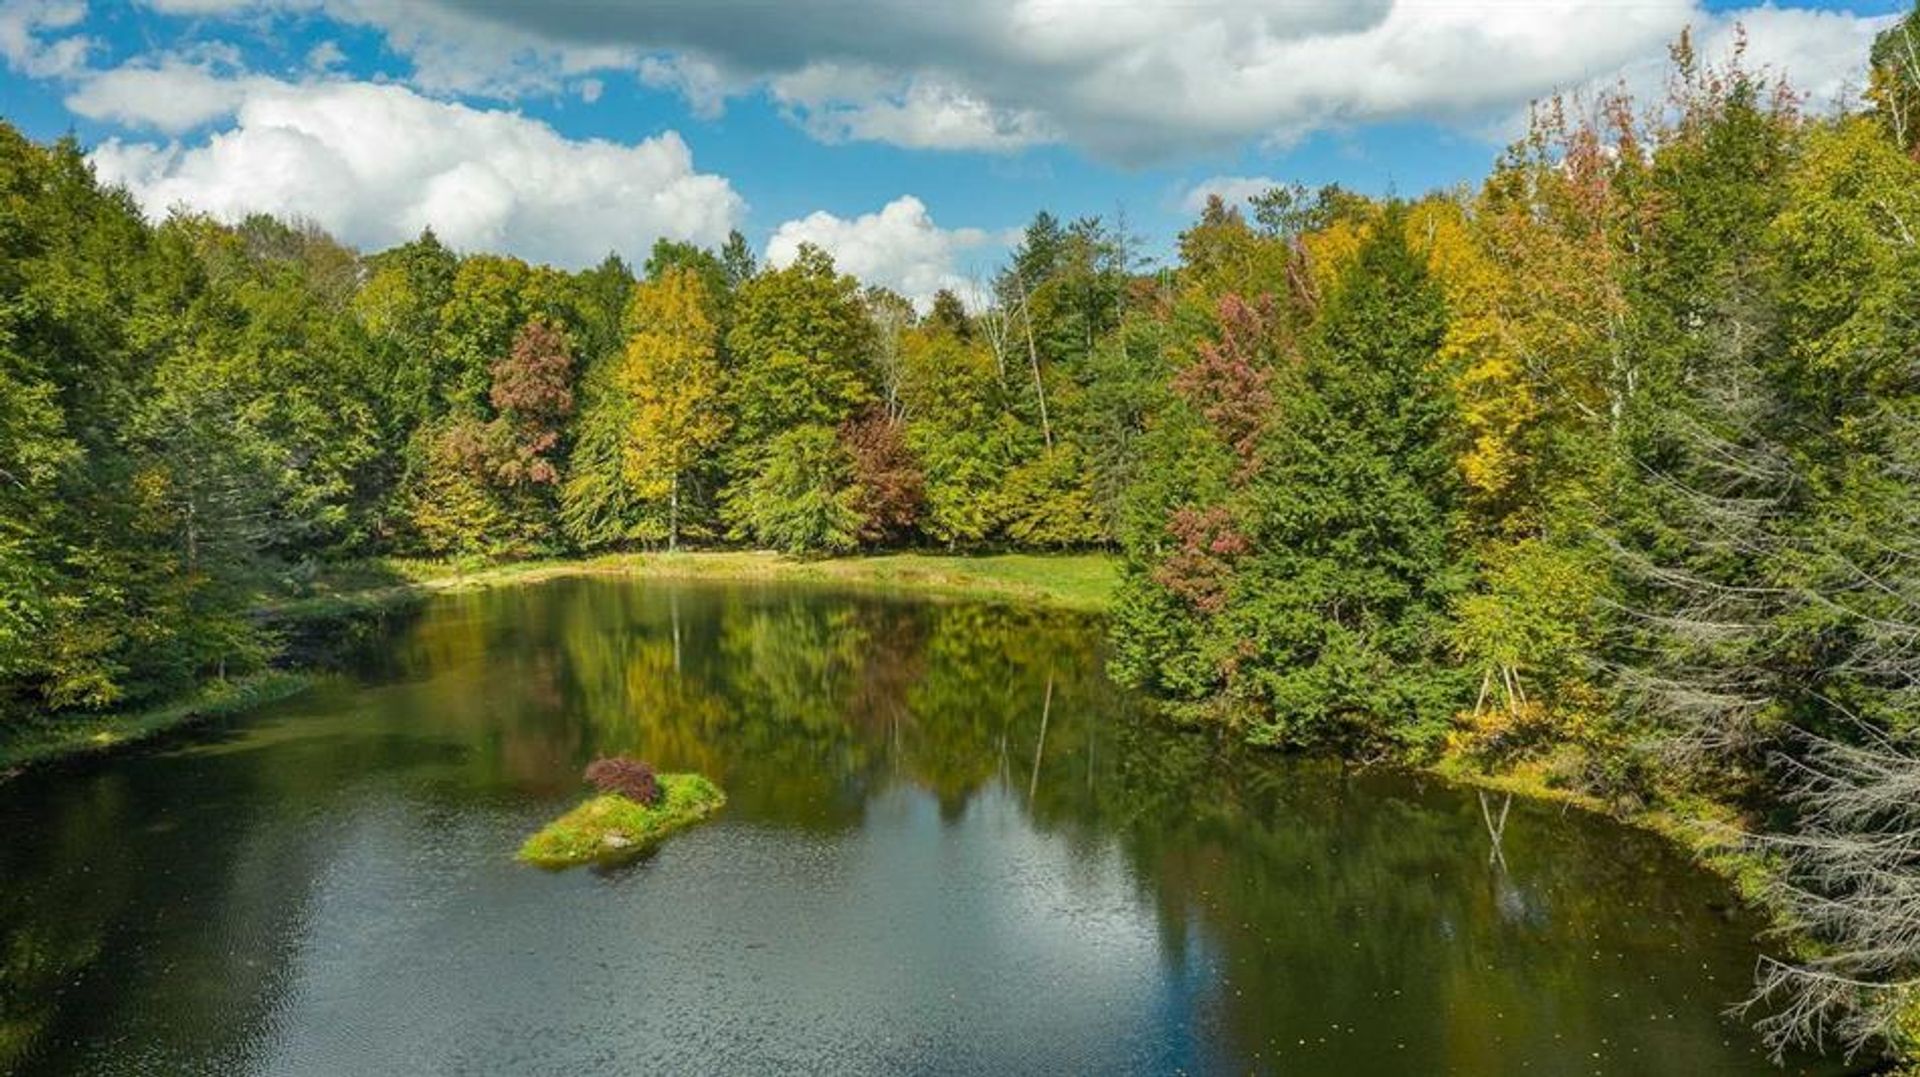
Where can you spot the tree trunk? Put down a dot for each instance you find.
(673, 516)
(1033, 358)
(1040, 748)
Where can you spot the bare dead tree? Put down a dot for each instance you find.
(1008, 327)
(1897, 58)
(996, 325)
(1702, 617)
(1849, 878)
(1774, 638)
(1033, 359)
(1851, 887)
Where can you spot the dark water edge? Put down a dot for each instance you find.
(951, 846)
(310, 644)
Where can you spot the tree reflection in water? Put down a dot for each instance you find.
(1304, 913)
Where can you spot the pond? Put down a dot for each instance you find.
(950, 846)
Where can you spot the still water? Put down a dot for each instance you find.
(951, 846)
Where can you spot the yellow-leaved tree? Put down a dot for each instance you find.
(672, 377)
(1532, 285)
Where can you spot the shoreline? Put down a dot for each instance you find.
(1077, 582)
(1020, 578)
(1710, 836)
(1073, 582)
(75, 737)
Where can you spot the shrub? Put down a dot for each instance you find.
(627, 777)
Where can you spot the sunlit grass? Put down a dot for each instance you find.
(1068, 581)
(1079, 581)
(611, 828)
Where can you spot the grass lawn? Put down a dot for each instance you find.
(1083, 582)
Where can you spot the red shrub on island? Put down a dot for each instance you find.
(626, 777)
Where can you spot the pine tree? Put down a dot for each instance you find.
(1340, 606)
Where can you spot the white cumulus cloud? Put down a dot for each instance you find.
(171, 96)
(1127, 81)
(374, 164)
(35, 38)
(325, 55)
(899, 247)
(837, 104)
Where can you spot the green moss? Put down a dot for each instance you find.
(1905, 1041)
(611, 828)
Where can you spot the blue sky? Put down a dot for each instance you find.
(906, 137)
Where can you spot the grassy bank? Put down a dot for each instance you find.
(1082, 582)
(1717, 838)
(70, 736)
(1712, 834)
(611, 828)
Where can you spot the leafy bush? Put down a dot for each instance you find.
(626, 777)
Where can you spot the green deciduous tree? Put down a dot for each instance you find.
(801, 348)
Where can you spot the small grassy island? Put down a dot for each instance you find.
(634, 812)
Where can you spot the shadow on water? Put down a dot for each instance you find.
(950, 845)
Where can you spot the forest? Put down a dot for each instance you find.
(1603, 475)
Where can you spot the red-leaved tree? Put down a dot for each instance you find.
(627, 777)
(889, 488)
(533, 392)
(1200, 568)
(1230, 381)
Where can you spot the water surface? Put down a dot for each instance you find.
(951, 847)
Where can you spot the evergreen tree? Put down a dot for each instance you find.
(803, 497)
(1340, 602)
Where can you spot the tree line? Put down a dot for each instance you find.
(1605, 472)
(197, 416)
